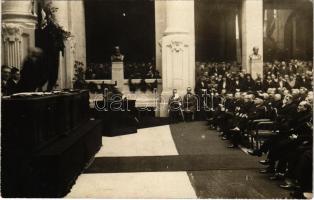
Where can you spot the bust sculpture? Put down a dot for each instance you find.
(117, 56)
(255, 55)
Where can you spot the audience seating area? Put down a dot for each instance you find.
(291, 74)
(270, 116)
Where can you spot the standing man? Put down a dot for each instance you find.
(32, 73)
(189, 105)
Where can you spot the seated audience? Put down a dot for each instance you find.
(283, 100)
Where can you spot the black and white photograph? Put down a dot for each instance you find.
(157, 99)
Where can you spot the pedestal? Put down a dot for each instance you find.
(117, 74)
(256, 67)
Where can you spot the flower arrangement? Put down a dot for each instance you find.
(47, 21)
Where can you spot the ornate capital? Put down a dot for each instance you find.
(176, 46)
(11, 32)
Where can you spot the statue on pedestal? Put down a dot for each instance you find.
(255, 55)
(117, 56)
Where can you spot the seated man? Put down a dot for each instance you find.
(174, 107)
(13, 81)
(5, 75)
(189, 105)
(293, 136)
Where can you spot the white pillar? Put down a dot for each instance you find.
(71, 16)
(65, 74)
(252, 33)
(160, 26)
(18, 31)
(178, 50)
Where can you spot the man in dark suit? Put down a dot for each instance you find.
(249, 83)
(190, 103)
(5, 75)
(236, 85)
(33, 72)
(13, 81)
(224, 84)
(303, 82)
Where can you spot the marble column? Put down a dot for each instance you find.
(252, 34)
(71, 17)
(160, 26)
(18, 31)
(65, 74)
(178, 50)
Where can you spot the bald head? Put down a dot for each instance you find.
(277, 97)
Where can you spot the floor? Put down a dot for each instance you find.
(184, 160)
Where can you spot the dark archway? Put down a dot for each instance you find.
(129, 24)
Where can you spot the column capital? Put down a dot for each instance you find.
(177, 45)
(11, 32)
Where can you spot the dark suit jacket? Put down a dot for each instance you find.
(11, 87)
(236, 85)
(32, 75)
(249, 85)
(225, 86)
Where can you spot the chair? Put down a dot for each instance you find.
(262, 129)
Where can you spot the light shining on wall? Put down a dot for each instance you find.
(237, 27)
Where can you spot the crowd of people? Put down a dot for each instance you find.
(288, 143)
(98, 71)
(140, 71)
(131, 70)
(9, 80)
(229, 76)
(237, 106)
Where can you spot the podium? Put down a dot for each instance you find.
(46, 142)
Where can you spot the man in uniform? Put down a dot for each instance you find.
(174, 105)
(189, 105)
